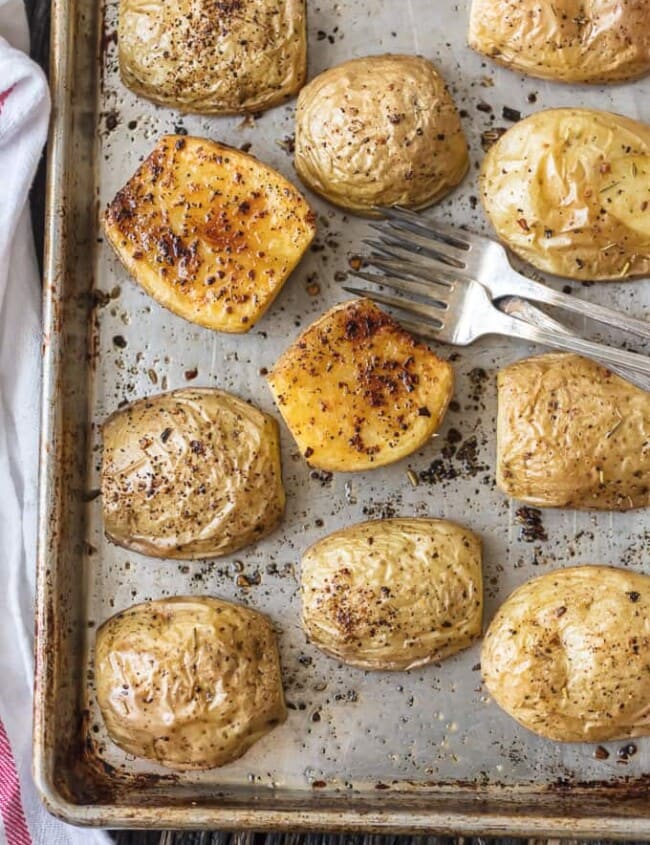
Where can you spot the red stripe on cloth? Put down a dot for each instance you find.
(11, 807)
(4, 95)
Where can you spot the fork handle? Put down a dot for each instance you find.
(528, 289)
(513, 327)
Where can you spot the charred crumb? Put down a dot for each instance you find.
(484, 107)
(119, 341)
(288, 144)
(491, 136)
(190, 375)
(627, 751)
(532, 526)
(513, 115)
(324, 478)
(380, 510)
(601, 753)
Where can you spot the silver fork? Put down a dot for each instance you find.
(431, 250)
(461, 311)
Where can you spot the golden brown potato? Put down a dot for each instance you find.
(194, 473)
(394, 593)
(598, 41)
(572, 434)
(381, 130)
(188, 682)
(567, 655)
(569, 191)
(208, 231)
(213, 58)
(357, 391)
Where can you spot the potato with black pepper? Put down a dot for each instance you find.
(190, 474)
(568, 655)
(213, 58)
(188, 682)
(569, 191)
(571, 434)
(597, 41)
(393, 594)
(357, 391)
(209, 232)
(379, 131)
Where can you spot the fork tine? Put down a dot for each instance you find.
(455, 236)
(413, 286)
(434, 271)
(407, 254)
(421, 329)
(430, 289)
(431, 312)
(406, 239)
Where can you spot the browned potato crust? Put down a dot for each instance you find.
(357, 391)
(568, 655)
(188, 682)
(213, 57)
(209, 231)
(572, 434)
(569, 191)
(598, 41)
(381, 130)
(194, 473)
(393, 593)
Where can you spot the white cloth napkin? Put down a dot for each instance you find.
(24, 111)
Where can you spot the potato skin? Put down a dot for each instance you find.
(572, 434)
(601, 41)
(568, 655)
(188, 682)
(190, 474)
(357, 391)
(213, 58)
(209, 232)
(380, 130)
(569, 191)
(393, 594)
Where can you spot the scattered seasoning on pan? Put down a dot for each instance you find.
(190, 375)
(491, 136)
(484, 107)
(119, 341)
(532, 97)
(288, 144)
(532, 526)
(514, 115)
(626, 752)
(601, 753)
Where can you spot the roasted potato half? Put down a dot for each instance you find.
(571, 434)
(357, 391)
(568, 655)
(598, 41)
(209, 232)
(190, 474)
(381, 130)
(569, 191)
(188, 682)
(394, 593)
(213, 58)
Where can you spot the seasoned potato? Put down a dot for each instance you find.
(188, 682)
(208, 231)
(568, 654)
(598, 41)
(572, 434)
(357, 391)
(381, 130)
(213, 58)
(190, 474)
(394, 593)
(569, 191)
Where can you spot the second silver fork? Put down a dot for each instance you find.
(460, 311)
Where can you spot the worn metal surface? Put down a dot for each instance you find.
(425, 750)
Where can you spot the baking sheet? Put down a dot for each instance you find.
(351, 736)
